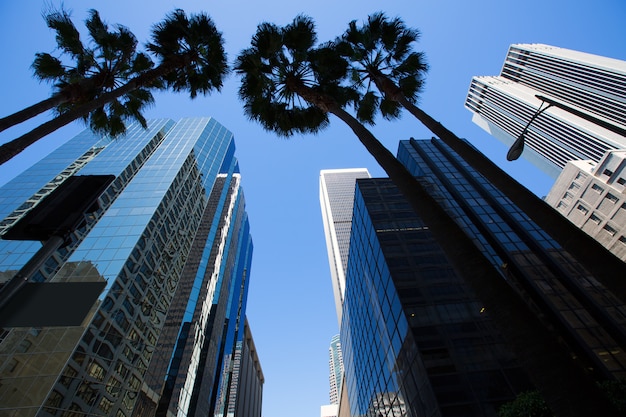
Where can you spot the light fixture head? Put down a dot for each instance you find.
(516, 149)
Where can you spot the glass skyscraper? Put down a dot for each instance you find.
(415, 339)
(171, 242)
(591, 84)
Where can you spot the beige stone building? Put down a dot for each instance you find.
(593, 197)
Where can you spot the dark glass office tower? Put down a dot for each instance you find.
(171, 243)
(590, 320)
(416, 341)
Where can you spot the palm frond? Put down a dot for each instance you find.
(47, 67)
(327, 64)
(279, 66)
(299, 36)
(98, 30)
(390, 109)
(379, 51)
(414, 64)
(411, 87)
(367, 107)
(194, 50)
(67, 36)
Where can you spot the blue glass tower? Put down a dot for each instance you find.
(171, 242)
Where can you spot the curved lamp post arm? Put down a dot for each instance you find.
(518, 146)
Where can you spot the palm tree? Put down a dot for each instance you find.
(101, 68)
(289, 87)
(381, 55)
(191, 58)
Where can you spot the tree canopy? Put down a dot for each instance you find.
(191, 58)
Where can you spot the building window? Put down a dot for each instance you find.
(105, 404)
(96, 371)
(611, 198)
(597, 188)
(610, 230)
(14, 362)
(594, 219)
(607, 172)
(622, 239)
(23, 346)
(621, 181)
(583, 209)
(54, 400)
(574, 186)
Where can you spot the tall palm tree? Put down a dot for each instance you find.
(191, 58)
(381, 56)
(289, 86)
(113, 58)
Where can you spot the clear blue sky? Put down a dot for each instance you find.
(290, 305)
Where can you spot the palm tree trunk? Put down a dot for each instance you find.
(568, 390)
(14, 147)
(31, 111)
(68, 94)
(602, 264)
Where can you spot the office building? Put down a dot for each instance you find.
(529, 259)
(329, 410)
(170, 242)
(415, 339)
(245, 379)
(335, 364)
(590, 84)
(336, 197)
(593, 197)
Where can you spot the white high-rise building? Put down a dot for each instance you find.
(335, 364)
(336, 200)
(330, 410)
(593, 85)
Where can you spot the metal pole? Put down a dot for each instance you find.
(613, 128)
(518, 146)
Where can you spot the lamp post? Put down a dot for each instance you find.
(518, 146)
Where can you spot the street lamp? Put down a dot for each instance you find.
(518, 146)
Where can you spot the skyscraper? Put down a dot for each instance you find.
(590, 84)
(593, 197)
(415, 339)
(336, 197)
(335, 363)
(171, 242)
(245, 377)
(529, 259)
